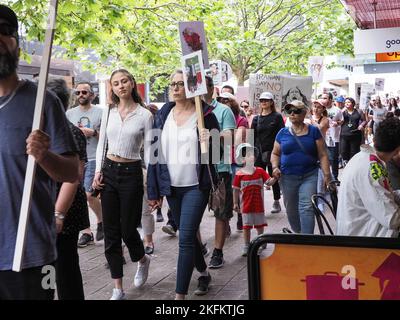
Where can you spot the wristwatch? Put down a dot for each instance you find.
(59, 215)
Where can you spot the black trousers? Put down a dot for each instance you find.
(121, 201)
(68, 272)
(275, 188)
(350, 145)
(25, 285)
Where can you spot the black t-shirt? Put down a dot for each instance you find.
(351, 123)
(265, 130)
(78, 215)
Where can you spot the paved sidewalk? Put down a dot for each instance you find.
(228, 283)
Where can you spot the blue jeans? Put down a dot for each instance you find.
(187, 205)
(297, 192)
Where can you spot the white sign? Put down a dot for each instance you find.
(193, 38)
(284, 88)
(216, 72)
(316, 68)
(194, 75)
(367, 90)
(376, 40)
(379, 84)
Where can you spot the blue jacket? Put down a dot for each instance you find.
(158, 178)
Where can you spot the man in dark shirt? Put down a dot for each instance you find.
(54, 151)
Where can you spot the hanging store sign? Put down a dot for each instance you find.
(377, 40)
(388, 57)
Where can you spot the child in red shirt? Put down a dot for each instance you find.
(248, 192)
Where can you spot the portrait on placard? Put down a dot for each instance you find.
(194, 75)
(216, 72)
(193, 38)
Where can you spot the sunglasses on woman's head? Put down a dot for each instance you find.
(293, 110)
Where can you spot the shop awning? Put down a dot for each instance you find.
(363, 13)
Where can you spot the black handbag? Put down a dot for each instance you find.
(216, 200)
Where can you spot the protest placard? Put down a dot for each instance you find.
(316, 68)
(193, 38)
(194, 75)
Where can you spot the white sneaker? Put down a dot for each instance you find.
(142, 272)
(118, 294)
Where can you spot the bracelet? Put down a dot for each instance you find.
(59, 215)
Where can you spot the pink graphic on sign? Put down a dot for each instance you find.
(329, 286)
(389, 277)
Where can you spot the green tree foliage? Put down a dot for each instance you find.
(141, 35)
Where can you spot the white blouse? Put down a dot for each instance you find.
(179, 147)
(125, 138)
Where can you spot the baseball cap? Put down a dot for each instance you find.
(9, 15)
(266, 95)
(297, 104)
(322, 102)
(340, 99)
(227, 95)
(240, 148)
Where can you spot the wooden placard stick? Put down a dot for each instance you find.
(37, 124)
(200, 122)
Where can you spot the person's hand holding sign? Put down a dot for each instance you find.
(38, 145)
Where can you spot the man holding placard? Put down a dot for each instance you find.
(53, 149)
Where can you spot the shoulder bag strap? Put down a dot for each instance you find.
(105, 145)
(301, 145)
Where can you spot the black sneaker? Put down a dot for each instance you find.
(239, 224)
(202, 287)
(204, 250)
(85, 240)
(217, 260)
(100, 232)
(160, 217)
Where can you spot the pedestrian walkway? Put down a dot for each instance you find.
(228, 283)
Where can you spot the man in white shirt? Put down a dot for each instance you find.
(332, 137)
(367, 205)
(88, 118)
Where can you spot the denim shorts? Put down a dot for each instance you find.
(90, 168)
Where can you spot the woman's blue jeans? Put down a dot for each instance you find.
(187, 205)
(297, 192)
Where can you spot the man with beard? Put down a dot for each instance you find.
(54, 151)
(88, 118)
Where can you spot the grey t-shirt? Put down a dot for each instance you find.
(15, 126)
(89, 119)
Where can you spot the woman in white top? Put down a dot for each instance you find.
(124, 128)
(179, 174)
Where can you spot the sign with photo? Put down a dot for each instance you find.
(193, 38)
(316, 68)
(216, 72)
(194, 75)
(284, 88)
(379, 84)
(367, 90)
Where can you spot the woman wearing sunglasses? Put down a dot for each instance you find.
(298, 152)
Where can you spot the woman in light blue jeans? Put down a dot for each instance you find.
(298, 152)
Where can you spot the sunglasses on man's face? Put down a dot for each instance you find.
(7, 30)
(293, 110)
(78, 92)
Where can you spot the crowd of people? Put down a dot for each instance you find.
(124, 160)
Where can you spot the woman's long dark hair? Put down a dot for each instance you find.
(135, 94)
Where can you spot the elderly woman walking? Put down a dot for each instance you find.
(298, 152)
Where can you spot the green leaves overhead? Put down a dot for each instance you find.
(251, 35)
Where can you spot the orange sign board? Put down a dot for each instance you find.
(387, 57)
(307, 272)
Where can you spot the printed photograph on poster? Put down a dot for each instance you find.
(316, 68)
(194, 75)
(216, 72)
(296, 88)
(367, 90)
(226, 71)
(193, 38)
(379, 84)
